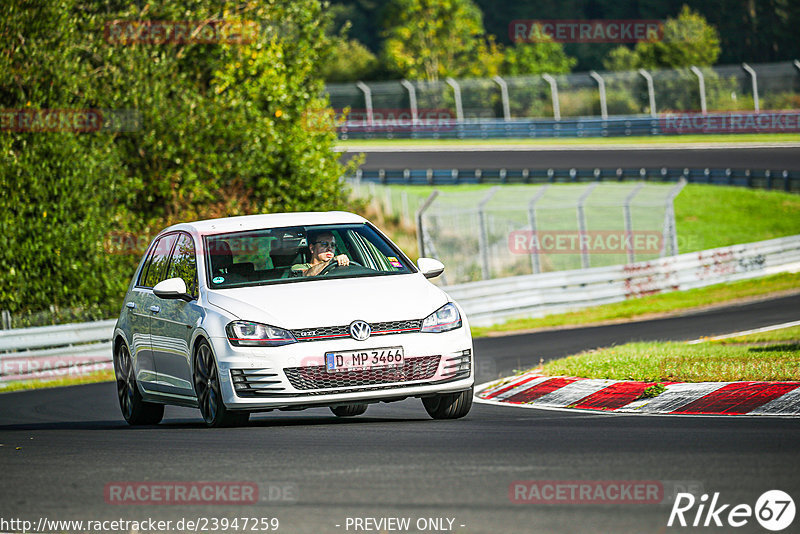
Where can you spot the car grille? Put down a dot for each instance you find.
(378, 329)
(316, 377)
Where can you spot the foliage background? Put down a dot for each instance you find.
(224, 129)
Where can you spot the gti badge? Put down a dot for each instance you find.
(359, 330)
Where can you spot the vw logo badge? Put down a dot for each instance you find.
(360, 330)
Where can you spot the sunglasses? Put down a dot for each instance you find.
(326, 244)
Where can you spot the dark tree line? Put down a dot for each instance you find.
(750, 30)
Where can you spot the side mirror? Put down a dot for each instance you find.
(429, 267)
(172, 288)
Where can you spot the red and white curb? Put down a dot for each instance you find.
(532, 390)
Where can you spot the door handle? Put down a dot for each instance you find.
(155, 309)
(131, 305)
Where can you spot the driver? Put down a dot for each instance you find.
(322, 246)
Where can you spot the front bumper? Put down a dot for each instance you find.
(294, 377)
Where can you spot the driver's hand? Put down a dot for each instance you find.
(342, 259)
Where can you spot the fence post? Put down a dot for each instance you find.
(670, 232)
(420, 230)
(483, 243)
(650, 91)
(702, 86)
(457, 95)
(504, 94)
(367, 100)
(535, 263)
(626, 211)
(601, 87)
(749, 70)
(582, 224)
(412, 100)
(554, 93)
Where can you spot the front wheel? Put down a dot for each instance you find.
(449, 405)
(349, 410)
(135, 410)
(206, 387)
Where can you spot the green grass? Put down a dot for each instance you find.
(679, 362)
(88, 378)
(784, 334)
(638, 140)
(710, 216)
(654, 304)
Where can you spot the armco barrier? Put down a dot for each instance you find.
(770, 179)
(49, 352)
(491, 301)
(55, 351)
(572, 127)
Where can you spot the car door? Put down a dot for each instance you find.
(139, 306)
(172, 325)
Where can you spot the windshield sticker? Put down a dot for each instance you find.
(218, 279)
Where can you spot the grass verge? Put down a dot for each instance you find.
(647, 307)
(679, 362)
(88, 378)
(637, 140)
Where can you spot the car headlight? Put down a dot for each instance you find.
(247, 334)
(442, 320)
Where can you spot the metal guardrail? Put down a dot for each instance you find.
(48, 352)
(621, 126)
(780, 180)
(488, 302)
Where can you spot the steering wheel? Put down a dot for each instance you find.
(333, 265)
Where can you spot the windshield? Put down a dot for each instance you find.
(300, 253)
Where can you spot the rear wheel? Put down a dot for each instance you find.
(349, 410)
(135, 410)
(206, 387)
(449, 405)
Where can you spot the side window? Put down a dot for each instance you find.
(156, 271)
(184, 263)
(145, 267)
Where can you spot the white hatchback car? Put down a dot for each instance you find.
(287, 311)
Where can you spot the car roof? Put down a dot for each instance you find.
(270, 220)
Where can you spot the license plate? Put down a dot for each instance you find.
(357, 360)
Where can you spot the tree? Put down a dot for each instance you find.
(688, 40)
(536, 58)
(222, 129)
(432, 39)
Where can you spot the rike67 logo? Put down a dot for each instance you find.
(774, 511)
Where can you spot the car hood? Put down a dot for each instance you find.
(333, 302)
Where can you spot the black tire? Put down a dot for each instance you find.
(206, 387)
(135, 410)
(349, 410)
(449, 405)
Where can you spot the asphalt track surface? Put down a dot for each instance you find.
(396, 462)
(777, 158)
